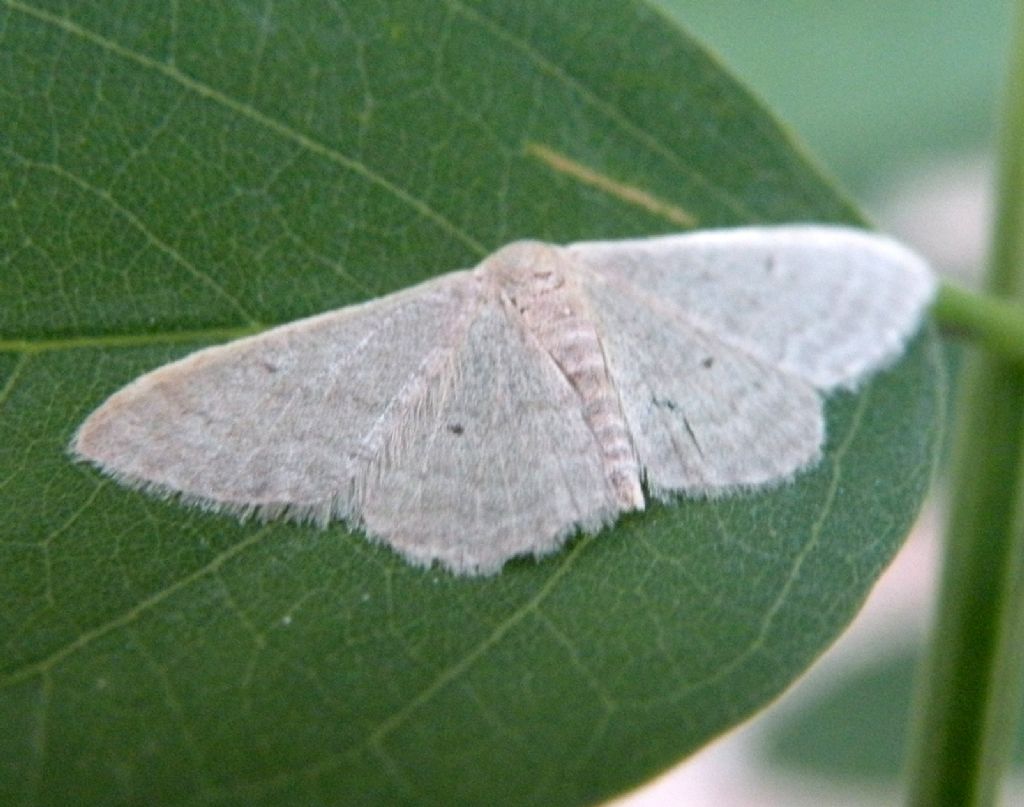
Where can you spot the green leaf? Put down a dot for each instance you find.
(173, 173)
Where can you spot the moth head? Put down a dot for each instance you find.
(525, 269)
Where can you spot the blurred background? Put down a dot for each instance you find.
(899, 102)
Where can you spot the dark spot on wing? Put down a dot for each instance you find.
(456, 428)
(707, 363)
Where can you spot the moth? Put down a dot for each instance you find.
(494, 412)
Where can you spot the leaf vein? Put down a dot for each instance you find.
(40, 739)
(43, 665)
(813, 540)
(129, 340)
(12, 379)
(249, 112)
(176, 708)
(557, 72)
(135, 221)
(374, 741)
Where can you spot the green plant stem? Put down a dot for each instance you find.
(992, 323)
(970, 690)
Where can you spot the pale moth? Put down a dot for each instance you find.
(495, 412)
